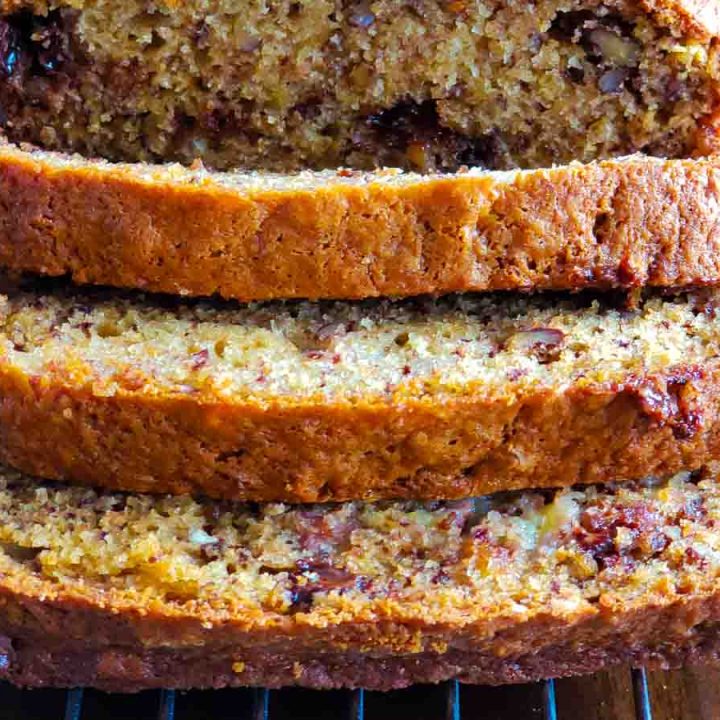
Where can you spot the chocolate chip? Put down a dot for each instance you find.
(201, 35)
(325, 578)
(309, 109)
(359, 13)
(9, 48)
(484, 151)
(675, 90)
(612, 82)
(40, 44)
(301, 599)
(20, 553)
(52, 43)
(362, 19)
(212, 551)
(37, 55)
(7, 652)
(394, 134)
(576, 74)
(568, 26)
(597, 531)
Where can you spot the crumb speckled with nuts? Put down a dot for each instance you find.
(346, 352)
(508, 553)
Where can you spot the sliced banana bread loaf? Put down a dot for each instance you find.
(335, 401)
(619, 223)
(126, 592)
(427, 84)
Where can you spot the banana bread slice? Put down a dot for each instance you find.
(126, 592)
(342, 401)
(427, 84)
(620, 223)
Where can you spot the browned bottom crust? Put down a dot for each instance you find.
(621, 223)
(118, 669)
(126, 593)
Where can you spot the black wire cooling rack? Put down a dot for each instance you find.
(449, 701)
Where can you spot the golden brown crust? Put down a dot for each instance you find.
(621, 223)
(456, 447)
(695, 17)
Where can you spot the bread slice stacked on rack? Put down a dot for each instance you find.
(264, 421)
(127, 592)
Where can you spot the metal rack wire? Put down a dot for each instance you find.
(447, 703)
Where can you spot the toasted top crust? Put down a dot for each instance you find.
(341, 234)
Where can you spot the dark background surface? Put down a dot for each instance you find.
(691, 694)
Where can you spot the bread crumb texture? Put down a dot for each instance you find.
(473, 564)
(426, 85)
(373, 352)
(302, 401)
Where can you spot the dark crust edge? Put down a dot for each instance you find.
(65, 642)
(119, 669)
